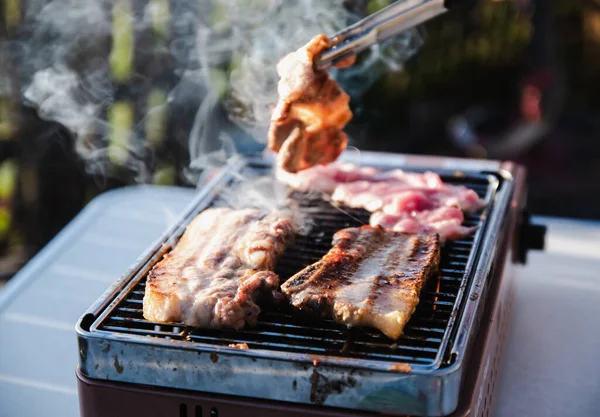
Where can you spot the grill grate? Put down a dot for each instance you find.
(280, 330)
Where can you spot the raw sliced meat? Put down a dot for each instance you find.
(445, 221)
(393, 197)
(402, 201)
(325, 177)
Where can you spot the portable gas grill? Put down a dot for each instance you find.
(445, 363)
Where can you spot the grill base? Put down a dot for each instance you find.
(105, 398)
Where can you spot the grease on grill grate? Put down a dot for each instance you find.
(284, 331)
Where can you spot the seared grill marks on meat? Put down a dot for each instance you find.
(306, 126)
(223, 262)
(371, 277)
(401, 201)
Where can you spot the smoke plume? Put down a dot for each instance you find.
(212, 59)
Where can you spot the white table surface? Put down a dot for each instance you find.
(549, 368)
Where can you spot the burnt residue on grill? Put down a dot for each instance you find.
(400, 367)
(214, 357)
(118, 367)
(321, 386)
(83, 348)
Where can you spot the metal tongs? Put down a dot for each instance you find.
(378, 27)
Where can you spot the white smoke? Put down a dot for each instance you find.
(222, 54)
(255, 39)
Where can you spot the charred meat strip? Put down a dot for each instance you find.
(328, 177)
(220, 267)
(307, 123)
(325, 178)
(371, 277)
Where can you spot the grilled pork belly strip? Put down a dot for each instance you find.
(306, 126)
(371, 277)
(223, 262)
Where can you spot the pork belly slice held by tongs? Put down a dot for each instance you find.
(370, 277)
(307, 124)
(219, 269)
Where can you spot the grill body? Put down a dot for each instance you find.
(315, 364)
(106, 398)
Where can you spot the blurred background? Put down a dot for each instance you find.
(97, 94)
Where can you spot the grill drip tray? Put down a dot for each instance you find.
(310, 363)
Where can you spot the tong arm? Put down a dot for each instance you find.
(378, 27)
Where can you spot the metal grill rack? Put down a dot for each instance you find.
(302, 360)
(425, 338)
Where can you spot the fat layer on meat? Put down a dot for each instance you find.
(371, 277)
(221, 265)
